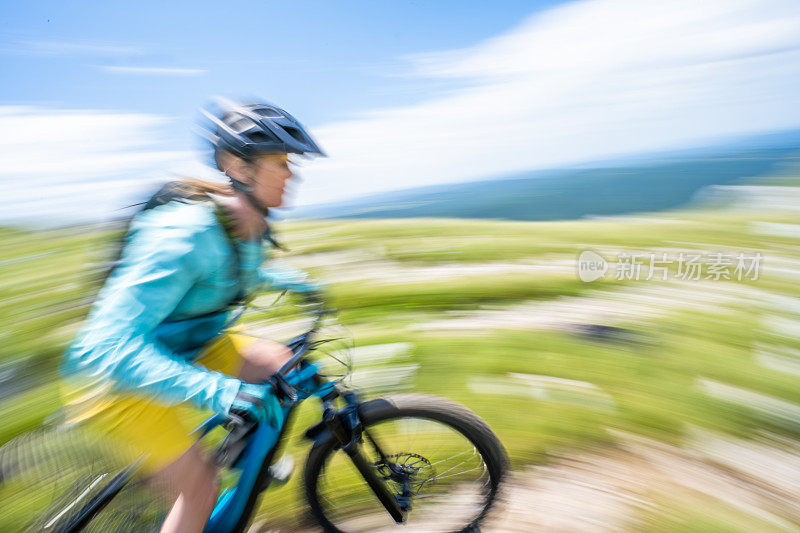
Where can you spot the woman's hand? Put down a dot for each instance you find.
(256, 404)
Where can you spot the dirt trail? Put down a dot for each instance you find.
(623, 488)
(748, 485)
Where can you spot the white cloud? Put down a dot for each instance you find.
(585, 80)
(154, 71)
(60, 165)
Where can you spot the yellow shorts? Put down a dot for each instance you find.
(142, 426)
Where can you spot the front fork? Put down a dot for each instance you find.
(345, 426)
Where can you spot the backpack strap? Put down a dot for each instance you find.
(229, 229)
(226, 221)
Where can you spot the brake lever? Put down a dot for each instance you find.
(314, 344)
(283, 389)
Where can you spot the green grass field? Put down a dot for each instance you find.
(541, 386)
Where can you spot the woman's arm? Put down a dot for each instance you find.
(158, 268)
(278, 275)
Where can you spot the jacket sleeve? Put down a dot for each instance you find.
(159, 266)
(278, 275)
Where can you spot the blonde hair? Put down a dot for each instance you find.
(195, 187)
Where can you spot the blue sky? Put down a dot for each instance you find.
(322, 60)
(400, 94)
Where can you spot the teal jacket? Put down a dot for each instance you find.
(167, 298)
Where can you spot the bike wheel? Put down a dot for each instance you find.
(448, 465)
(50, 476)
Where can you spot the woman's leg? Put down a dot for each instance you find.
(192, 481)
(261, 359)
(141, 427)
(248, 358)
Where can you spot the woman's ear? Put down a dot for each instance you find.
(236, 167)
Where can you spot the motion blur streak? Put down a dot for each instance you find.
(667, 397)
(615, 292)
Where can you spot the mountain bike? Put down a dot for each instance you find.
(401, 460)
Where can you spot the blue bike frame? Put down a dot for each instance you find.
(256, 455)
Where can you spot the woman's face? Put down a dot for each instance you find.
(268, 176)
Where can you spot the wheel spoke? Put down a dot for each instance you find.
(457, 473)
(471, 452)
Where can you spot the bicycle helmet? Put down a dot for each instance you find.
(257, 128)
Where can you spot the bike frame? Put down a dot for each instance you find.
(259, 448)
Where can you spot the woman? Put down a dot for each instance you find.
(154, 339)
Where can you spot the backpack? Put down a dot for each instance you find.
(175, 191)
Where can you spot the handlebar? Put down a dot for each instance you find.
(239, 429)
(301, 344)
